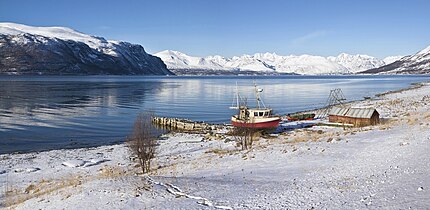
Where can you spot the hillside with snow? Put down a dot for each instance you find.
(392, 59)
(272, 63)
(418, 63)
(59, 50)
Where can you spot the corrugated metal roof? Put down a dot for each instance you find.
(353, 112)
(338, 111)
(360, 112)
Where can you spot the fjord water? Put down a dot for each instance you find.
(47, 112)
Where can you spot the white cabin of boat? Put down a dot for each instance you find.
(247, 114)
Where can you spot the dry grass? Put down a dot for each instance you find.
(414, 120)
(299, 139)
(17, 196)
(112, 172)
(313, 136)
(221, 151)
(414, 86)
(394, 102)
(387, 124)
(44, 187)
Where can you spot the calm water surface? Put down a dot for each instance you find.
(40, 113)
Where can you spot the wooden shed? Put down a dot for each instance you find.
(357, 116)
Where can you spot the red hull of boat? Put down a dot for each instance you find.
(269, 124)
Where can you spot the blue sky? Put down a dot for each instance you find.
(228, 27)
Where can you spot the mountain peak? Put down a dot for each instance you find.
(52, 31)
(351, 56)
(171, 52)
(425, 50)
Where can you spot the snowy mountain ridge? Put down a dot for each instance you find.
(59, 50)
(94, 42)
(272, 62)
(418, 63)
(355, 63)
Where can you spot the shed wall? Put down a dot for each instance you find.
(355, 121)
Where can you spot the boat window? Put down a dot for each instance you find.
(261, 114)
(266, 114)
(255, 114)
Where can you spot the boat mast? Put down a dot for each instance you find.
(237, 96)
(257, 95)
(237, 99)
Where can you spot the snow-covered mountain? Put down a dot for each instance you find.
(59, 50)
(356, 63)
(418, 63)
(178, 60)
(272, 63)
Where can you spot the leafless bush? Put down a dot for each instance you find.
(245, 136)
(142, 141)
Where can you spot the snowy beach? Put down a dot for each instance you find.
(382, 166)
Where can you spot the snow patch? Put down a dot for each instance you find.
(83, 163)
(74, 163)
(179, 193)
(26, 170)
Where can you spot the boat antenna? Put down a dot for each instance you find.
(257, 95)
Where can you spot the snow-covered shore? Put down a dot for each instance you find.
(384, 166)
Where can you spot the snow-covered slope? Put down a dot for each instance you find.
(392, 59)
(59, 50)
(97, 43)
(178, 60)
(418, 63)
(271, 62)
(356, 63)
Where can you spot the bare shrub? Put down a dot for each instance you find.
(245, 136)
(142, 141)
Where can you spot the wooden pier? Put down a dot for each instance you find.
(185, 124)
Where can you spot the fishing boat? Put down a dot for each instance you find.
(259, 117)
